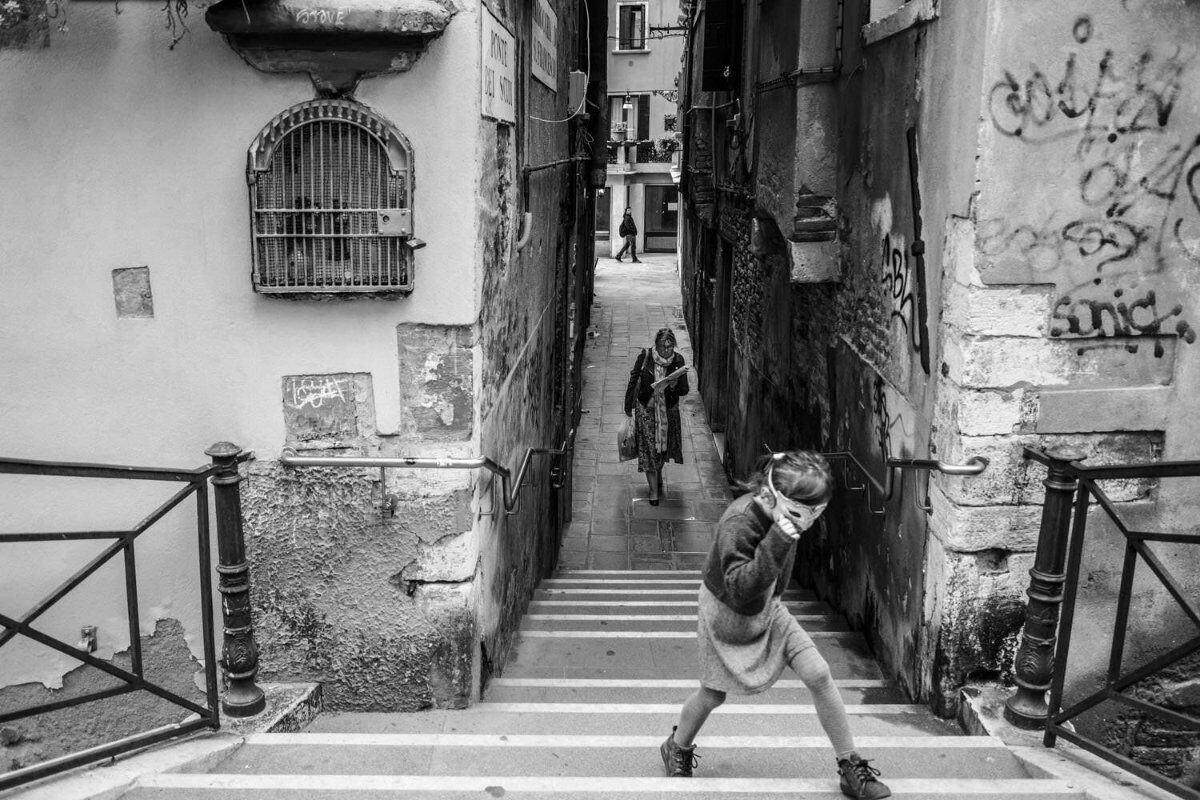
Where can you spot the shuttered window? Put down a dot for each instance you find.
(631, 26)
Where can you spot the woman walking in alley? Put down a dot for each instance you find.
(746, 634)
(656, 382)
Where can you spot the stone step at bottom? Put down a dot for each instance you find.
(679, 623)
(567, 691)
(729, 720)
(600, 756)
(410, 787)
(672, 657)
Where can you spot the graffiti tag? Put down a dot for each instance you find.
(316, 392)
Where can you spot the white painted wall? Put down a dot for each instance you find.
(119, 152)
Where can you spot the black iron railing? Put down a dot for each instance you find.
(1042, 658)
(226, 457)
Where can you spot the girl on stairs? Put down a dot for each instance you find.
(746, 634)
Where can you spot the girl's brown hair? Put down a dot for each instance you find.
(799, 475)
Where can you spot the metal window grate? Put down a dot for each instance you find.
(331, 202)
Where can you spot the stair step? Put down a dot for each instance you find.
(731, 719)
(549, 690)
(599, 594)
(599, 623)
(604, 755)
(628, 573)
(424, 787)
(665, 606)
(660, 655)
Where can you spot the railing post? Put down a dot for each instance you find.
(1033, 665)
(239, 658)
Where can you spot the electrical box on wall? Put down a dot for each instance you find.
(577, 89)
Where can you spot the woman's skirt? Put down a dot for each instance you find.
(650, 450)
(745, 655)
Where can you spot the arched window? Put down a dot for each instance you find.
(331, 202)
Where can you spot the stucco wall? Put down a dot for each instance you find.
(120, 153)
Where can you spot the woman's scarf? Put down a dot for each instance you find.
(657, 400)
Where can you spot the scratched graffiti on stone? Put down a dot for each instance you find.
(316, 392)
(1117, 249)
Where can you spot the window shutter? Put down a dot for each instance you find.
(643, 116)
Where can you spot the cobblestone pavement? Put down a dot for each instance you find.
(613, 525)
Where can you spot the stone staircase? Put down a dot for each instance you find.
(601, 665)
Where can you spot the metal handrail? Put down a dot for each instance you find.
(887, 487)
(510, 486)
(1042, 660)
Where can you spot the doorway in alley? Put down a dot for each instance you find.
(661, 219)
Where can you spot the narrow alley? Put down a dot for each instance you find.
(613, 526)
(606, 654)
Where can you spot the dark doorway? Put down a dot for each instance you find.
(662, 219)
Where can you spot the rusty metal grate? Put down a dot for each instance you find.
(331, 202)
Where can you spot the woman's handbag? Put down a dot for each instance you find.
(627, 440)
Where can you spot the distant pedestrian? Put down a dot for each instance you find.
(746, 634)
(628, 230)
(656, 382)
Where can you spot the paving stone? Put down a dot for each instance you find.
(608, 544)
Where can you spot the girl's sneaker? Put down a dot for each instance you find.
(679, 761)
(859, 779)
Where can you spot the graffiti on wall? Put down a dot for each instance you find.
(1118, 248)
(898, 283)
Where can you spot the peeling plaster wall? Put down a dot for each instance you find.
(148, 147)
(165, 661)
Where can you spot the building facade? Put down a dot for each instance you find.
(325, 232)
(646, 44)
(944, 230)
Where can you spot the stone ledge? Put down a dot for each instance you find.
(909, 15)
(290, 707)
(336, 45)
(981, 713)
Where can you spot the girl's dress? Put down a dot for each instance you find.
(744, 648)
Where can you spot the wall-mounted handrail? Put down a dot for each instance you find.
(887, 487)
(510, 486)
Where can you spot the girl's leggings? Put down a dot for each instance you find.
(811, 667)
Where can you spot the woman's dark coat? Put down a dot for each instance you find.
(644, 368)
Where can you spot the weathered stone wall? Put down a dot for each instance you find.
(1050, 304)
(1071, 308)
(526, 340)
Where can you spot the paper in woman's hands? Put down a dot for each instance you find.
(662, 382)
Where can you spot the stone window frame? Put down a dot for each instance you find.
(645, 40)
(909, 14)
